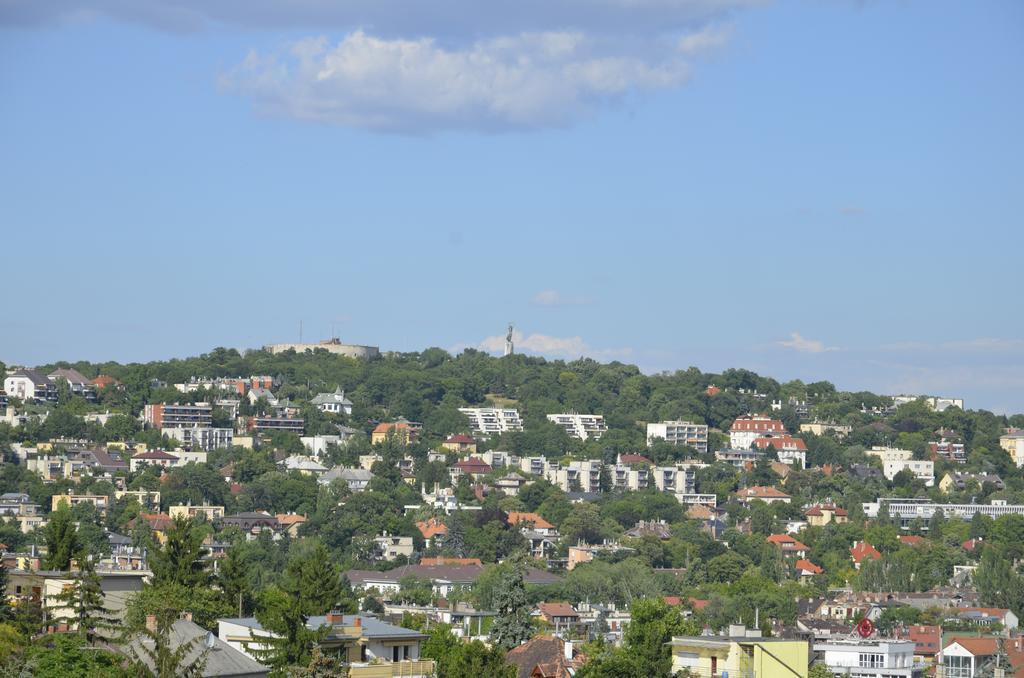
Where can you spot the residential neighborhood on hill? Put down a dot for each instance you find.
(379, 508)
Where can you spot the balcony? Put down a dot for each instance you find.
(401, 669)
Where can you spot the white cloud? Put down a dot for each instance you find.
(555, 298)
(803, 345)
(523, 81)
(557, 347)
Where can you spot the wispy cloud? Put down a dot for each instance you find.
(557, 347)
(556, 298)
(799, 343)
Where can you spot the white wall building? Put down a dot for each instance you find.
(488, 421)
(889, 453)
(745, 430)
(922, 470)
(581, 426)
(679, 433)
(201, 437)
(865, 659)
(578, 476)
(333, 403)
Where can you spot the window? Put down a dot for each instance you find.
(871, 660)
(394, 653)
(957, 667)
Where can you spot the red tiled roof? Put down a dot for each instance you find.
(516, 517)
(911, 539)
(431, 528)
(473, 465)
(461, 439)
(808, 566)
(758, 424)
(927, 639)
(634, 459)
(290, 518)
(389, 425)
(443, 560)
(787, 542)
(698, 604)
(862, 550)
(820, 509)
(971, 544)
(781, 443)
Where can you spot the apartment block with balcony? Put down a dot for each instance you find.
(488, 421)
(581, 426)
(869, 658)
(742, 653)
(205, 438)
(162, 415)
(679, 433)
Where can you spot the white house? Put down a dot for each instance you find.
(27, 384)
(869, 659)
(922, 470)
(334, 403)
(745, 430)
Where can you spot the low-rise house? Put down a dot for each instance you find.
(291, 523)
(44, 587)
(978, 657)
(333, 403)
(823, 514)
(432, 530)
(153, 458)
(805, 569)
(460, 443)
(958, 482)
(124, 554)
(820, 428)
(471, 466)
(988, 616)
(546, 656)
(787, 448)
(927, 641)
(218, 658)
(372, 648)
(510, 484)
(405, 432)
(356, 479)
(789, 545)
(658, 529)
(561, 616)
(862, 551)
(922, 470)
(253, 522)
(22, 509)
(769, 495)
(149, 500)
(740, 458)
(29, 385)
(740, 652)
(304, 465)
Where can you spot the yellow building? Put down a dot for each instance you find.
(740, 654)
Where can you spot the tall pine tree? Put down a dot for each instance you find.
(61, 539)
(82, 604)
(512, 626)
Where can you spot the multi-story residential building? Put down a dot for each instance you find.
(739, 457)
(823, 514)
(922, 470)
(1013, 444)
(30, 385)
(79, 384)
(537, 466)
(578, 476)
(580, 426)
(819, 428)
(980, 657)
(869, 658)
(906, 510)
(958, 482)
(948, 449)
(21, 508)
(265, 424)
(488, 421)
(205, 512)
(163, 416)
(333, 403)
(679, 479)
(632, 477)
(390, 547)
(100, 501)
(679, 433)
(205, 438)
(742, 653)
(745, 430)
(889, 453)
(149, 500)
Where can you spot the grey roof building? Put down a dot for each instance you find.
(221, 658)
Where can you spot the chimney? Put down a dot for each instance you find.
(151, 623)
(358, 622)
(335, 617)
(187, 616)
(567, 648)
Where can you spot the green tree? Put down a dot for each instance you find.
(456, 659)
(157, 655)
(652, 625)
(61, 539)
(181, 560)
(61, 655)
(512, 625)
(84, 602)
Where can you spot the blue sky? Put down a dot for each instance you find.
(810, 189)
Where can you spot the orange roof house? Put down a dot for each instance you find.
(861, 551)
(788, 544)
(516, 518)
(805, 568)
(431, 528)
(402, 431)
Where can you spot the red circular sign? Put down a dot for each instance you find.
(865, 628)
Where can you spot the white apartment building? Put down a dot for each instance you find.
(869, 659)
(889, 453)
(578, 476)
(488, 421)
(907, 510)
(538, 466)
(630, 477)
(679, 433)
(581, 426)
(923, 470)
(677, 479)
(200, 437)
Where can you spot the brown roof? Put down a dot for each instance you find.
(633, 459)
(431, 528)
(473, 465)
(761, 492)
(547, 655)
(290, 518)
(443, 560)
(557, 610)
(461, 439)
(787, 542)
